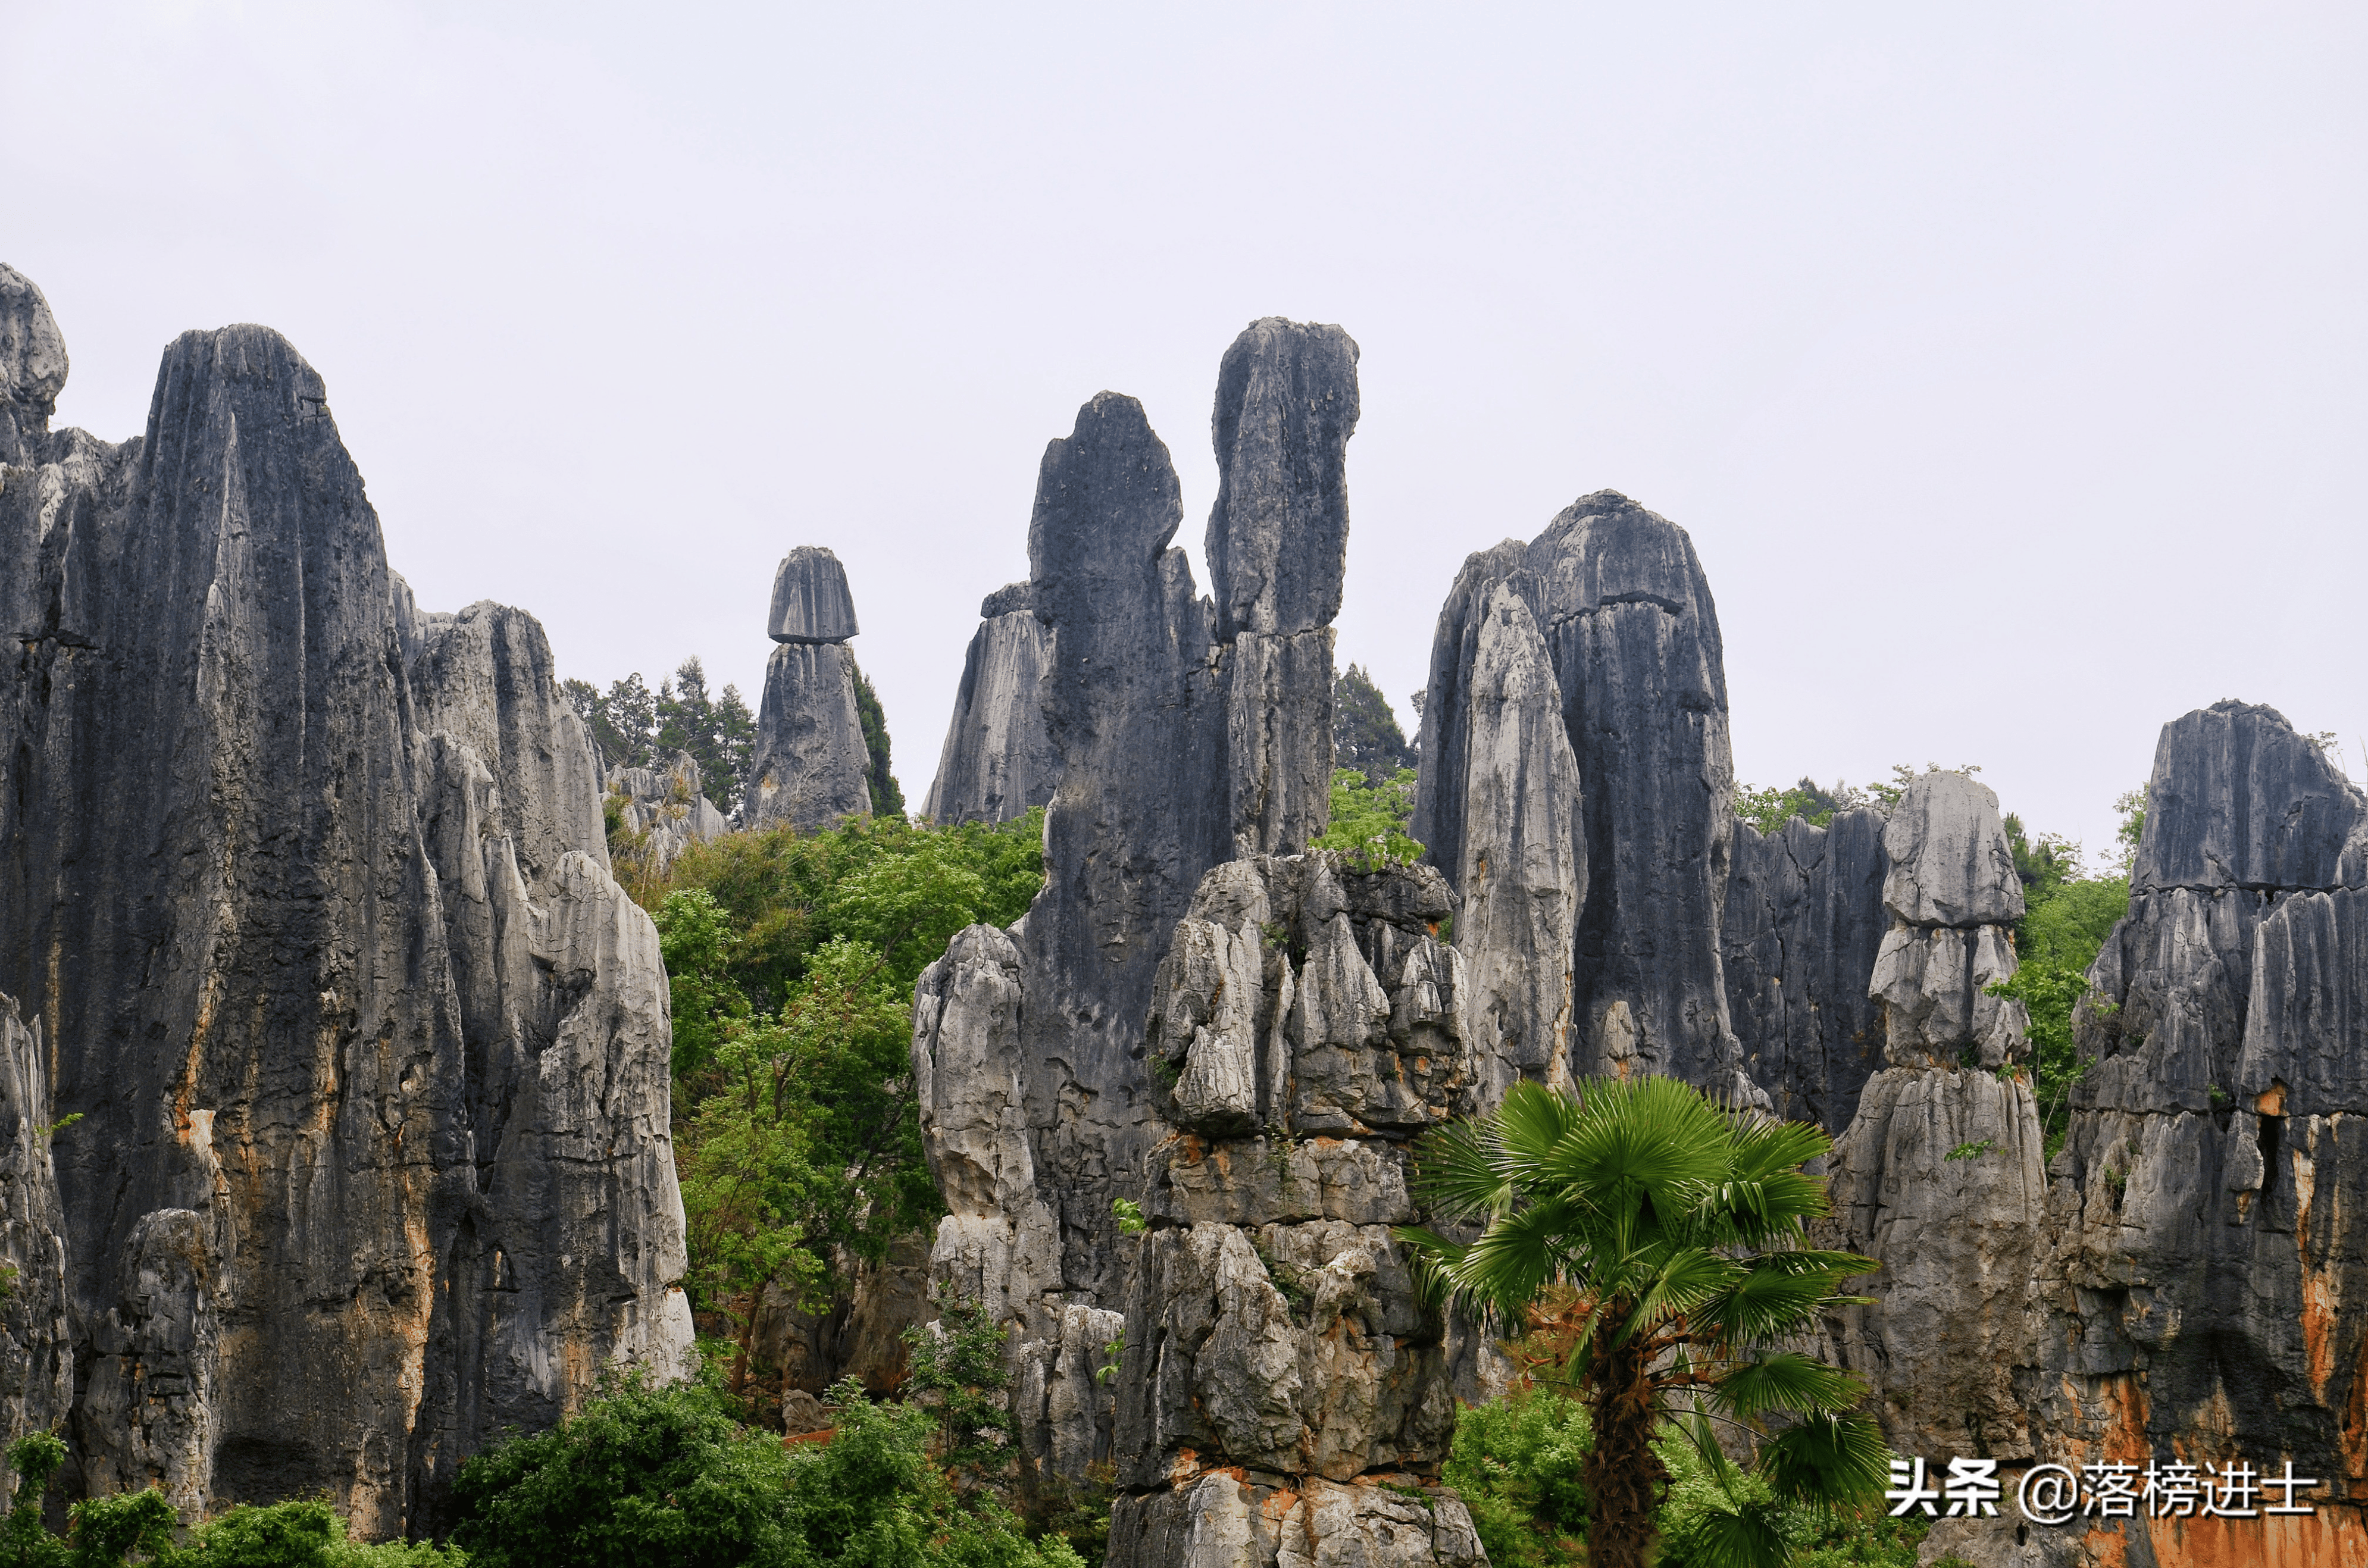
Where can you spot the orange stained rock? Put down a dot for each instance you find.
(820, 1440)
(2272, 1100)
(1279, 1504)
(2354, 1437)
(2332, 1538)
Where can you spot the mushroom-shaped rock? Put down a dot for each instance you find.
(811, 602)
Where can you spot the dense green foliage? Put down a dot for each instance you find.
(645, 1476)
(792, 958)
(957, 1370)
(1365, 733)
(105, 1530)
(1667, 1237)
(1517, 1462)
(631, 725)
(1369, 823)
(887, 797)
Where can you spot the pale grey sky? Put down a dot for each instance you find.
(2006, 366)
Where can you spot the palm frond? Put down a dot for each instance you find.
(1748, 1537)
(1763, 1304)
(1828, 1461)
(1459, 1174)
(1788, 1380)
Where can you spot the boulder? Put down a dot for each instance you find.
(811, 602)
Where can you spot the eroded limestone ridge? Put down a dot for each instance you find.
(809, 765)
(309, 895)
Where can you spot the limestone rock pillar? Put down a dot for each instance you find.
(809, 765)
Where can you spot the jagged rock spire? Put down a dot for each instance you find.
(809, 769)
(998, 760)
(32, 364)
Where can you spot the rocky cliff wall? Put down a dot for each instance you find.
(370, 1049)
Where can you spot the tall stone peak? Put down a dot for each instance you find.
(315, 842)
(1287, 404)
(811, 601)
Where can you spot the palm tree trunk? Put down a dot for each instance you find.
(1625, 1479)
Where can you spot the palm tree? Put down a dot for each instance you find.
(1678, 1229)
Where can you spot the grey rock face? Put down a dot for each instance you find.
(2204, 1286)
(811, 602)
(2240, 801)
(1277, 540)
(1628, 620)
(36, 1346)
(32, 365)
(999, 761)
(1804, 923)
(1938, 1173)
(371, 1058)
(1523, 865)
(807, 770)
(485, 677)
(666, 801)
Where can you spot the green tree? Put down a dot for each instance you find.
(1365, 733)
(887, 797)
(1678, 1230)
(957, 1369)
(640, 1475)
(695, 941)
(1516, 1462)
(1368, 824)
(718, 734)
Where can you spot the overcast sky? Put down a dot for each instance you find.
(2006, 366)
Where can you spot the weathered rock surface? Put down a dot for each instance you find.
(485, 677)
(1627, 618)
(370, 1052)
(811, 602)
(999, 761)
(36, 1342)
(2205, 1285)
(1804, 923)
(1277, 544)
(808, 768)
(666, 801)
(32, 366)
(1523, 864)
(1938, 1173)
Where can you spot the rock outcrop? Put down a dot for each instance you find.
(2207, 1292)
(1278, 542)
(32, 366)
(1939, 1174)
(811, 602)
(666, 805)
(808, 768)
(1241, 1041)
(999, 761)
(1628, 622)
(308, 894)
(809, 764)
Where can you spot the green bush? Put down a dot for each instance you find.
(1369, 822)
(1516, 1462)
